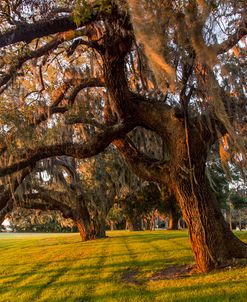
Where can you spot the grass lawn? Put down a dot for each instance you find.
(59, 267)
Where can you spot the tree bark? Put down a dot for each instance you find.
(173, 219)
(99, 227)
(84, 229)
(89, 228)
(83, 221)
(212, 241)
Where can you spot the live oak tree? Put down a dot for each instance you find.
(141, 206)
(35, 220)
(61, 187)
(138, 207)
(164, 66)
(173, 212)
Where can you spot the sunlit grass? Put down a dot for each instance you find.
(59, 267)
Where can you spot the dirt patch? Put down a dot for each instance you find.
(174, 272)
(129, 276)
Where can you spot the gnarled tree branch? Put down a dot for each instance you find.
(43, 201)
(27, 32)
(83, 150)
(142, 165)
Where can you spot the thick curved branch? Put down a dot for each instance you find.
(28, 55)
(142, 165)
(27, 32)
(34, 201)
(54, 108)
(155, 115)
(68, 164)
(9, 199)
(85, 121)
(87, 83)
(5, 198)
(83, 150)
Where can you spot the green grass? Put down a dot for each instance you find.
(59, 267)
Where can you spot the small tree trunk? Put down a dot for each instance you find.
(240, 220)
(181, 223)
(152, 224)
(133, 224)
(98, 230)
(229, 217)
(129, 225)
(112, 225)
(212, 241)
(149, 224)
(173, 219)
(142, 224)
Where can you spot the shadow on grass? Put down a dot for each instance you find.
(193, 293)
(205, 292)
(198, 292)
(89, 277)
(37, 270)
(147, 237)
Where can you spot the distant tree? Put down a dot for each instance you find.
(239, 204)
(85, 201)
(23, 220)
(229, 190)
(140, 207)
(115, 217)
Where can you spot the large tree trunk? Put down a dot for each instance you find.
(88, 228)
(99, 227)
(212, 241)
(84, 229)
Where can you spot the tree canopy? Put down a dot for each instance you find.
(162, 81)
